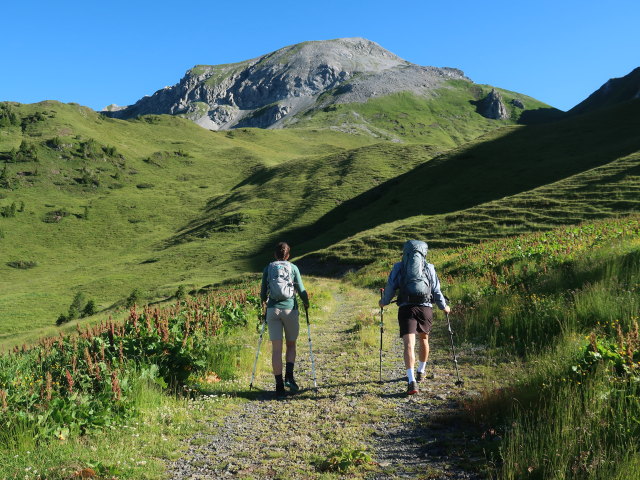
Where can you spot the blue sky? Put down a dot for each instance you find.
(97, 53)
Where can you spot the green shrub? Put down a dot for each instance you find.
(22, 264)
(55, 216)
(181, 292)
(8, 116)
(9, 211)
(110, 151)
(89, 309)
(133, 298)
(56, 143)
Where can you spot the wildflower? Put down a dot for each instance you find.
(48, 388)
(88, 359)
(115, 386)
(133, 316)
(111, 332)
(70, 381)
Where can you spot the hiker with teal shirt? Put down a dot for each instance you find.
(418, 286)
(280, 282)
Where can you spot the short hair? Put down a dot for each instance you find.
(282, 250)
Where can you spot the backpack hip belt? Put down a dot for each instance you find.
(414, 299)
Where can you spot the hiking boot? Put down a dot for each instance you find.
(280, 391)
(412, 388)
(291, 384)
(420, 376)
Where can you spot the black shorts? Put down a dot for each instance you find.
(415, 319)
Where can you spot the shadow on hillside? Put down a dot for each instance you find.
(527, 158)
(231, 212)
(541, 115)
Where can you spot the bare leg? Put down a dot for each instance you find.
(276, 356)
(423, 347)
(409, 346)
(291, 353)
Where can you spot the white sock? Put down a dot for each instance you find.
(422, 366)
(410, 377)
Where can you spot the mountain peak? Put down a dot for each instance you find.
(268, 91)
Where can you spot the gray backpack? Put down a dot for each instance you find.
(280, 276)
(415, 284)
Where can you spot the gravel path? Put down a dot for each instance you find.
(417, 437)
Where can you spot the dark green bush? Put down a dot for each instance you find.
(22, 264)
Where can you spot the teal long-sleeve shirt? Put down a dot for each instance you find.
(290, 303)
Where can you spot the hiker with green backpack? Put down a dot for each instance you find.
(418, 286)
(280, 281)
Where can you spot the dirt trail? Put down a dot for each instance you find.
(413, 437)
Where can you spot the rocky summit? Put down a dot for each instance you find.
(270, 91)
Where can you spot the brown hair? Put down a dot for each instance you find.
(282, 250)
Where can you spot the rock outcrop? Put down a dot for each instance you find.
(493, 107)
(269, 91)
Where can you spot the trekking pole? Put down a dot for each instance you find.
(313, 363)
(255, 362)
(453, 351)
(381, 331)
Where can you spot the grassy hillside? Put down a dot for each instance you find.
(450, 117)
(510, 181)
(101, 207)
(95, 200)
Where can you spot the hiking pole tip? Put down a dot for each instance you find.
(381, 332)
(459, 382)
(255, 362)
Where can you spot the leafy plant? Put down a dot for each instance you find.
(345, 460)
(76, 384)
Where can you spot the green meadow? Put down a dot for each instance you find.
(100, 207)
(105, 206)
